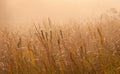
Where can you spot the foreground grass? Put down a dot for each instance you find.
(64, 50)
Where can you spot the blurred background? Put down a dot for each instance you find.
(17, 12)
(25, 10)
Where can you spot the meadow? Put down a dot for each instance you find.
(74, 48)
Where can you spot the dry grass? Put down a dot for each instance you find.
(69, 49)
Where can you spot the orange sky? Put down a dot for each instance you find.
(22, 10)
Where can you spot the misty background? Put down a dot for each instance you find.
(18, 12)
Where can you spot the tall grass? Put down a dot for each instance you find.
(69, 49)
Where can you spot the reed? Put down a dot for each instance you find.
(65, 50)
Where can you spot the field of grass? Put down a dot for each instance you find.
(73, 48)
